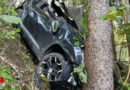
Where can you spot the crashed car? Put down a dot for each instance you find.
(48, 27)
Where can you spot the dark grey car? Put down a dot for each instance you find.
(49, 32)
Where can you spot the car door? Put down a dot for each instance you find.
(38, 25)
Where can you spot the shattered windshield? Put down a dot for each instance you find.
(56, 9)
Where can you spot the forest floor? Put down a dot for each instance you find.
(15, 55)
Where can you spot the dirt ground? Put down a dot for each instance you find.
(14, 53)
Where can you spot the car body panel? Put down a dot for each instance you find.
(37, 31)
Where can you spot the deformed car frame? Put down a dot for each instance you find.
(49, 31)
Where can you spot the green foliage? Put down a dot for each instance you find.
(5, 9)
(79, 68)
(8, 16)
(85, 18)
(115, 13)
(81, 72)
(5, 72)
(78, 40)
(84, 25)
(124, 85)
(77, 43)
(85, 30)
(9, 34)
(10, 19)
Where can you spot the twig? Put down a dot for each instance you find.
(128, 75)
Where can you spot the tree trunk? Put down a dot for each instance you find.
(98, 49)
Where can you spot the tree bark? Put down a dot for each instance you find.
(98, 49)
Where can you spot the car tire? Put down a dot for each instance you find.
(55, 67)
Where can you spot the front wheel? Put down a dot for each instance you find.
(55, 67)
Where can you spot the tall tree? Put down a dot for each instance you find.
(98, 49)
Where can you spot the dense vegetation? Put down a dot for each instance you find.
(16, 64)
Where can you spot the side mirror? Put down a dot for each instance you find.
(54, 26)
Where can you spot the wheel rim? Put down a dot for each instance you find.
(51, 68)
